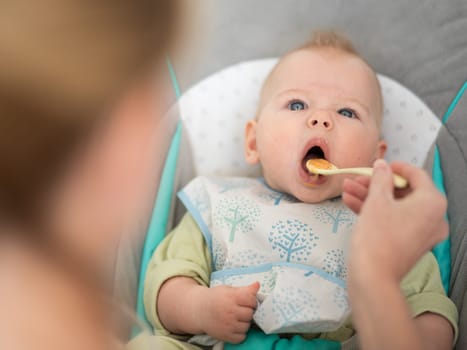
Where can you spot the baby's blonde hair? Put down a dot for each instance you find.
(330, 39)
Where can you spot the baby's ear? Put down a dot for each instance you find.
(251, 151)
(381, 150)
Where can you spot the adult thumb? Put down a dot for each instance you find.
(382, 180)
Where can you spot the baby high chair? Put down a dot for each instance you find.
(420, 46)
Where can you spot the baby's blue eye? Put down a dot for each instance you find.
(347, 112)
(296, 105)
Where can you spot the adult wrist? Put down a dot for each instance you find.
(365, 272)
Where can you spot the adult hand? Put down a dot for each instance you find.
(394, 229)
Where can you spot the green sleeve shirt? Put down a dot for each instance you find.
(184, 253)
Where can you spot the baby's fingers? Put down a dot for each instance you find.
(245, 314)
(242, 327)
(239, 332)
(246, 296)
(236, 338)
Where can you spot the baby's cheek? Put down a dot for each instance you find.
(350, 158)
(278, 171)
(276, 153)
(272, 178)
(358, 153)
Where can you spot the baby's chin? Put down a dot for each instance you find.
(317, 196)
(309, 193)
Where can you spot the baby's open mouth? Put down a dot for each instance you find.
(315, 152)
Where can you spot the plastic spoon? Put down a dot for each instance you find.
(323, 167)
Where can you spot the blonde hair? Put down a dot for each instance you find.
(63, 63)
(330, 39)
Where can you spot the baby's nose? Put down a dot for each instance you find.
(320, 119)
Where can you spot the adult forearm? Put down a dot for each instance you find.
(176, 305)
(381, 315)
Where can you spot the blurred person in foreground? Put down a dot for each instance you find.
(82, 89)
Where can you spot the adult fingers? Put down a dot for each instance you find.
(443, 231)
(402, 192)
(438, 234)
(415, 176)
(353, 203)
(381, 185)
(355, 188)
(363, 180)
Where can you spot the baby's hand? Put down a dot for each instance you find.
(225, 312)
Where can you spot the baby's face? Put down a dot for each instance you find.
(319, 103)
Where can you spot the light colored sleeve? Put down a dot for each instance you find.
(424, 292)
(182, 253)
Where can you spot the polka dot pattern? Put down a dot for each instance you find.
(216, 109)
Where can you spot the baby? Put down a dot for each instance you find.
(271, 252)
